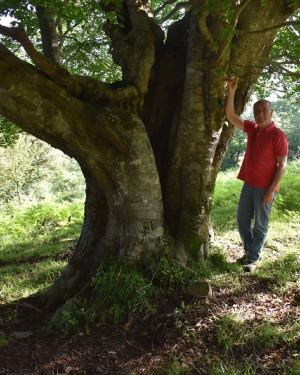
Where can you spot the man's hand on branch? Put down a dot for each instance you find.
(232, 84)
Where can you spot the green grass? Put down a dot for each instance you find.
(22, 280)
(234, 333)
(31, 238)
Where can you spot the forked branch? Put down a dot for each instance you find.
(78, 86)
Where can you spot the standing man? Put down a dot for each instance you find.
(262, 170)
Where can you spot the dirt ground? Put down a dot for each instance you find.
(149, 342)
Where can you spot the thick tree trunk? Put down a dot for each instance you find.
(191, 170)
(123, 211)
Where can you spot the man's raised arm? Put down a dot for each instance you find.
(230, 112)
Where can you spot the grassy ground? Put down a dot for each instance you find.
(32, 237)
(250, 326)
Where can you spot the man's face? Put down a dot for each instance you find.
(263, 114)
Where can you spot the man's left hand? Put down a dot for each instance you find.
(269, 196)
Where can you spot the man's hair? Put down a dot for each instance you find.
(263, 101)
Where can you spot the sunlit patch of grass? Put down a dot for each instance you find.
(233, 333)
(31, 238)
(22, 280)
(229, 367)
(226, 199)
(281, 270)
(172, 367)
(41, 222)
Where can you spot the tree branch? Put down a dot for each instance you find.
(241, 7)
(163, 6)
(201, 20)
(19, 35)
(279, 26)
(81, 87)
(227, 40)
(260, 68)
(178, 6)
(48, 34)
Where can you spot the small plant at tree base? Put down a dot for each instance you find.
(72, 318)
(167, 273)
(120, 290)
(3, 339)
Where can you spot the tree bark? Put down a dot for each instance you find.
(123, 211)
(48, 33)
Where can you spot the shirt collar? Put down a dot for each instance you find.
(268, 128)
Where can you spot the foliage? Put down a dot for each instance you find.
(295, 370)
(9, 133)
(121, 291)
(166, 272)
(281, 75)
(283, 270)
(230, 333)
(26, 279)
(84, 47)
(287, 112)
(32, 237)
(72, 318)
(172, 368)
(235, 151)
(287, 199)
(30, 170)
(240, 368)
(21, 167)
(39, 223)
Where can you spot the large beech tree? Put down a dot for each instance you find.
(149, 144)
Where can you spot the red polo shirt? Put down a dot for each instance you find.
(263, 146)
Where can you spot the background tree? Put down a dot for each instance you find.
(150, 141)
(31, 171)
(287, 114)
(9, 132)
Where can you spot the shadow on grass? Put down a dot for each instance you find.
(32, 253)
